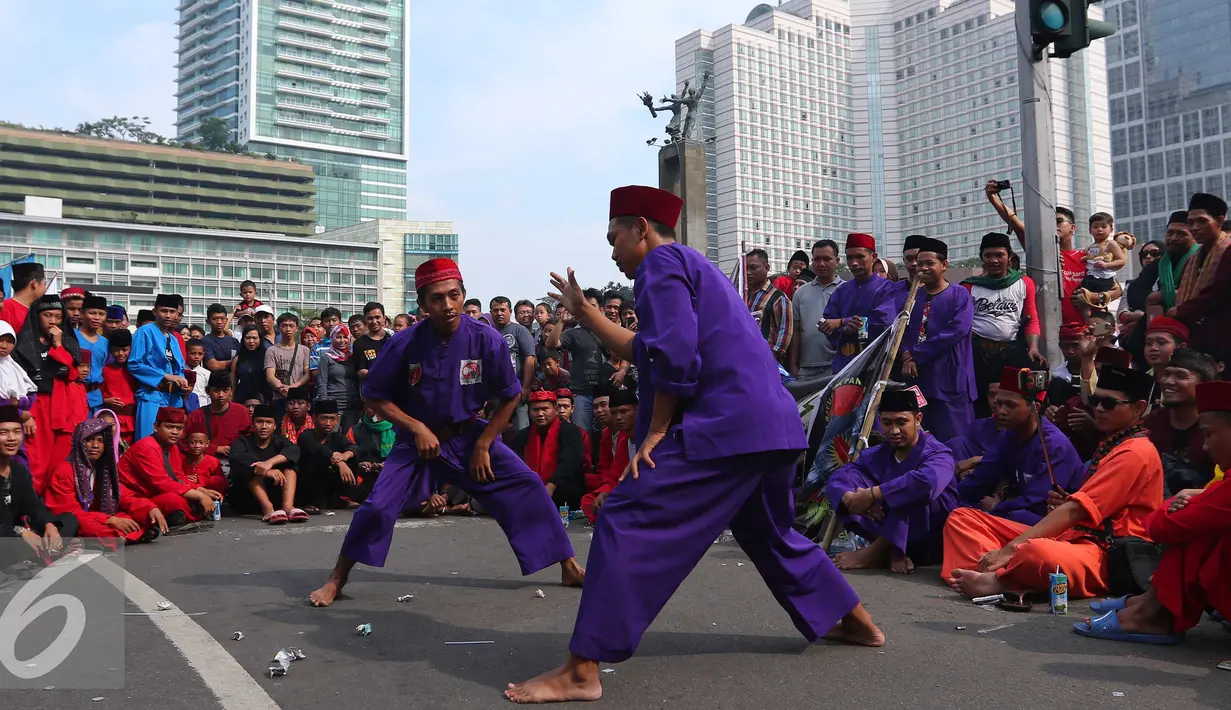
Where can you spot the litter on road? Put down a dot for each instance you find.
(364, 629)
(608, 671)
(405, 598)
(466, 643)
(237, 636)
(994, 628)
(164, 606)
(539, 594)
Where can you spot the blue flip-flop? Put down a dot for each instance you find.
(1107, 627)
(1106, 605)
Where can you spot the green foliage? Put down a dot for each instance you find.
(214, 134)
(134, 129)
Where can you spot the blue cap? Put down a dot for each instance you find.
(116, 313)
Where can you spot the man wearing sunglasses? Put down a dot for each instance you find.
(1122, 485)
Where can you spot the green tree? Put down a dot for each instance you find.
(134, 129)
(214, 134)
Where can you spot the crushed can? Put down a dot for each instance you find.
(564, 515)
(1059, 586)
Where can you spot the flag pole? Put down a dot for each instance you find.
(870, 420)
(743, 269)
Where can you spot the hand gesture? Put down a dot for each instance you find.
(617, 378)
(1080, 421)
(599, 500)
(481, 465)
(910, 369)
(991, 189)
(643, 454)
(156, 518)
(851, 325)
(1056, 498)
(348, 477)
(1036, 356)
(426, 442)
(995, 560)
(213, 494)
(52, 544)
(56, 335)
(113, 402)
(276, 476)
(568, 293)
(829, 325)
(123, 526)
(336, 458)
(261, 468)
(1181, 500)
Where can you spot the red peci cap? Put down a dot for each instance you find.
(436, 270)
(543, 396)
(564, 393)
(171, 415)
(1009, 381)
(1171, 326)
(649, 202)
(858, 240)
(1072, 331)
(1213, 396)
(72, 292)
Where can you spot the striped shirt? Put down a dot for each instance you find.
(772, 310)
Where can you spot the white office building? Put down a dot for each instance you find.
(886, 116)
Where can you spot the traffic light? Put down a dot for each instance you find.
(1050, 22)
(1083, 30)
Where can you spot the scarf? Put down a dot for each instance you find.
(337, 354)
(1167, 271)
(1010, 278)
(106, 483)
(541, 451)
(292, 432)
(1199, 275)
(14, 382)
(384, 431)
(115, 432)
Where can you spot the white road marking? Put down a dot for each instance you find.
(295, 529)
(234, 688)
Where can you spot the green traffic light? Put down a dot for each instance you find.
(1051, 14)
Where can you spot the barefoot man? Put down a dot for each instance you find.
(431, 381)
(718, 437)
(896, 494)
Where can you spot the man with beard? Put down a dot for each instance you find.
(860, 309)
(1205, 287)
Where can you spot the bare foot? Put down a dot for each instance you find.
(327, 593)
(857, 629)
(576, 680)
(902, 565)
(869, 557)
(571, 573)
(971, 584)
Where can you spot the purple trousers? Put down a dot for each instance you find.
(914, 531)
(654, 529)
(517, 499)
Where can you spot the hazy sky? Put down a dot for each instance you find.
(524, 114)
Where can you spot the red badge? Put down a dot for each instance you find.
(471, 372)
(415, 373)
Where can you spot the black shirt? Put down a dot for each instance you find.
(587, 357)
(365, 350)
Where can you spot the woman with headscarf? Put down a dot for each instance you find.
(885, 268)
(248, 367)
(47, 350)
(16, 386)
(310, 337)
(88, 485)
(336, 379)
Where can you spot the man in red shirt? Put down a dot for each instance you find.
(153, 468)
(615, 453)
(29, 285)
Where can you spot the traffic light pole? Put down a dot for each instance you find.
(1038, 173)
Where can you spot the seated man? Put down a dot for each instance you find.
(616, 452)
(201, 469)
(297, 419)
(221, 421)
(1066, 378)
(373, 439)
(896, 494)
(986, 555)
(602, 415)
(327, 462)
(564, 408)
(153, 468)
(1076, 416)
(1163, 337)
(550, 375)
(968, 448)
(19, 502)
(1192, 575)
(87, 485)
(1012, 480)
(553, 449)
(264, 462)
(1173, 427)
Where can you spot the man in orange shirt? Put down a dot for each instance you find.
(1192, 575)
(1124, 483)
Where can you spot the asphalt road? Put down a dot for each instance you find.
(722, 642)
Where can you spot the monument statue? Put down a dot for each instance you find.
(683, 107)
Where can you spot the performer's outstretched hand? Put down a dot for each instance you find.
(481, 465)
(568, 293)
(643, 454)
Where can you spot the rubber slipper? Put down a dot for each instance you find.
(1106, 605)
(278, 517)
(311, 510)
(1107, 627)
(298, 515)
(1016, 601)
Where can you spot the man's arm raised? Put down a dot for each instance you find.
(616, 339)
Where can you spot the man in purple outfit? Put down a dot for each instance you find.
(936, 347)
(718, 437)
(431, 381)
(897, 494)
(865, 296)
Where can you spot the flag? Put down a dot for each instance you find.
(834, 420)
(6, 276)
(739, 274)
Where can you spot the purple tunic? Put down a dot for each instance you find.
(975, 440)
(872, 298)
(728, 460)
(918, 495)
(1023, 466)
(440, 384)
(938, 338)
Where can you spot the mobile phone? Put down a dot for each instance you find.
(1101, 328)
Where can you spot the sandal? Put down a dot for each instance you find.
(298, 515)
(278, 517)
(1107, 627)
(1016, 601)
(1106, 605)
(312, 510)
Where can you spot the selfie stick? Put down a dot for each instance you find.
(1038, 416)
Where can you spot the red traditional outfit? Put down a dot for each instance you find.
(206, 473)
(1194, 572)
(14, 313)
(92, 490)
(222, 429)
(118, 383)
(156, 471)
(613, 458)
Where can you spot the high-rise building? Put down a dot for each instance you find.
(886, 116)
(323, 82)
(1169, 77)
(403, 246)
